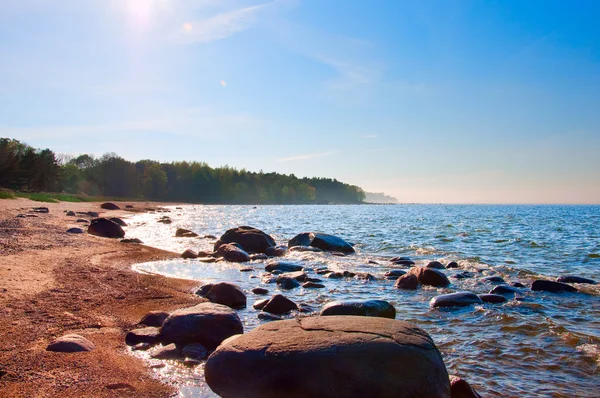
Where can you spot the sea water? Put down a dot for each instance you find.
(541, 345)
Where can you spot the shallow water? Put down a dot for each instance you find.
(543, 345)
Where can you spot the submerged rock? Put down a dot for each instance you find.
(492, 298)
(195, 351)
(206, 323)
(312, 285)
(260, 290)
(189, 253)
(105, 228)
(374, 357)
(185, 233)
(71, 343)
(250, 239)
(282, 266)
(494, 279)
(321, 241)
(551, 286)
(287, 283)
(574, 279)
(379, 308)
(452, 264)
(265, 316)
(505, 290)
(459, 299)
(148, 335)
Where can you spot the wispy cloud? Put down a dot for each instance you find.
(372, 136)
(222, 25)
(307, 156)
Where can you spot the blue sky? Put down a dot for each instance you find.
(428, 101)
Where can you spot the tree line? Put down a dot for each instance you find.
(24, 168)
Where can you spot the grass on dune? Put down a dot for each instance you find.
(49, 197)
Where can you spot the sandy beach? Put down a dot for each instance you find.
(54, 283)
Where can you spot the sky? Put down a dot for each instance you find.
(448, 101)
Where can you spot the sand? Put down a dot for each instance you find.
(54, 283)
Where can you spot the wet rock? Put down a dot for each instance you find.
(83, 221)
(149, 335)
(227, 294)
(195, 351)
(430, 277)
(316, 280)
(462, 275)
(105, 228)
(252, 240)
(305, 308)
(377, 357)
(265, 316)
(277, 251)
(312, 285)
(71, 343)
(397, 273)
(154, 318)
(233, 253)
(459, 388)
(305, 249)
(142, 347)
(132, 240)
(551, 286)
(459, 299)
(260, 304)
(189, 254)
(258, 256)
(518, 284)
(246, 269)
(260, 290)
(71, 213)
(452, 264)
(279, 304)
(407, 282)
(287, 283)
(109, 206)
(119, 221)
(300, 276)
(335, 275)
(493, 298)
(348, 274)
(435, 265)
(165, 220)
(494, 279)
(282, 266)
(204, 254)
(204, 289)
(505, 290)
(129, 207)
(206, 323)
(364, 276)
(75, 231)
(379, 308)
(185, 233)
(404, 261)
(170, 351)
(574, 279)
(321, 241)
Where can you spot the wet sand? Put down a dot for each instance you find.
(54, 283)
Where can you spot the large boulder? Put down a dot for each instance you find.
(378, 308)
(233, 253)
(407, 282)
(430, 277)
(109, 206)
(105, 228)
(252, 240)
(206, 323)
(459, 299)
(119, 221)
(332, 356)
(71, 343)
(321, 241)
(227, 294)
(551, 286)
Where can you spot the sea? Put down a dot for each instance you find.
(539, 345)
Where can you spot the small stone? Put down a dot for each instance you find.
(189, 254)
(154, 318)
(312, 285)
(150, 335)
(71, 343)
(75, 231)
(260, 290)
(195, 351)
(166, 352)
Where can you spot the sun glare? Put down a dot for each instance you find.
(187, 27)
(141, 11)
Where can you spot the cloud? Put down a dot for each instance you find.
(370, 136)
(222, 25)
(307, 156)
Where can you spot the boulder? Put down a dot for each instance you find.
(189, 253)
(312, 285)
(282, 266)
(119, 221)
(332, 356)
(260, 304)
(435, 265)
(227, 294)
(185, 233)
(574, 279)
(551, 286)
(71, 213)
(109, 206)
(492, 298)
(154, 318)
(233, 253)
(260, 290)
(279, 304)
(430, 277)
(287, 283)
(459, 388)
(206, 323)
(265, 316)
(132, 240)
(378, 308)
(195, 351)
(204, 289)
(252, 240)
(75, 231)
(452, 264)
(494, 279)
(407, 282)
(149, 335)
(276, 251)
(169, 351)
(505, 289)
(459, 299)
(300, 276)
(321, 241)
(71, 343)
(105, 228)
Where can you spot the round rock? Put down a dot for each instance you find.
(71, 343)
(227, 294)
(459, 299)
(333, 356)
(379, 308)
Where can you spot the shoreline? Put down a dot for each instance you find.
(53, 283)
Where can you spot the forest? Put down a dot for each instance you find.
(24, 168)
